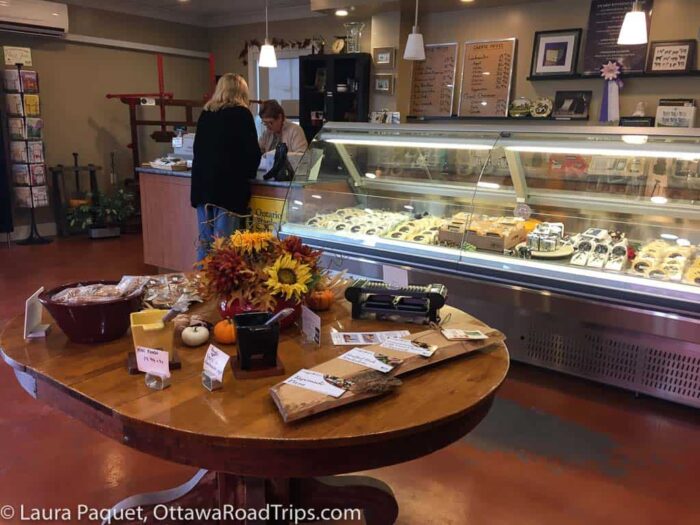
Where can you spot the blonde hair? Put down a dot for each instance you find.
(231, 90)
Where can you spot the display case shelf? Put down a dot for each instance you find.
(636, 187)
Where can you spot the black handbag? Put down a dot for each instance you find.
(281, 168)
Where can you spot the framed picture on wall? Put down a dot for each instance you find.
(672, 56)
(572, 105)
(384, 57)
(555, 53)
(384, 83)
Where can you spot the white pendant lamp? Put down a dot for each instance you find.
(415, 48)
(267, 51)
(634, 27)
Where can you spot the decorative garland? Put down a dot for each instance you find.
(280, 43)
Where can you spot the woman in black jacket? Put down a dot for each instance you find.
(226, 157)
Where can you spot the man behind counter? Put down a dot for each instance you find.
(278, 129)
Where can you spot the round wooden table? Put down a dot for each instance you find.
(238, 432)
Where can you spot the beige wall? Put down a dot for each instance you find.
(110, 24)
(74, 79)
(385, 33)
(672, 19)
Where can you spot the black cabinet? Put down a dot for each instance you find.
(333, 88)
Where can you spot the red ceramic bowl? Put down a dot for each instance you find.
(91, 323)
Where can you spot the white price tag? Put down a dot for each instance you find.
(396, 277)
(367, 359)
(455, 334)
(315, 381)
(152, 361)
(402, 345)
(365, 338)
(32, 317)
(311, 325)
(215, 363)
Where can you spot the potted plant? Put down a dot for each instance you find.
(251, 271)
(103, 214)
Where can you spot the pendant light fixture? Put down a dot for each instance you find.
(267, 51)
(634, 28)
(415, 49)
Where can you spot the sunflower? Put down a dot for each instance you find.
(250, 242)
(288, 278)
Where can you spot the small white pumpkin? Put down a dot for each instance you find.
(195, 335)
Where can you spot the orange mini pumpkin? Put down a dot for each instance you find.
(320, 300)
(225, 332)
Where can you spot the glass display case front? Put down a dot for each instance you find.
(608, 213)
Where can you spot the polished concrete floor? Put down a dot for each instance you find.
(554, 450)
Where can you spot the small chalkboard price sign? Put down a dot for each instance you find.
(487, 74)
(432, 92)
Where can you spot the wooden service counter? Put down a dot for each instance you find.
(170, 232)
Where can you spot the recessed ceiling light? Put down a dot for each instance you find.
(466, 1)
(341, 12)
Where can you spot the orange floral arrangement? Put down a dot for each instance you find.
(259, 270)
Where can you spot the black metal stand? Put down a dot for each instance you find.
(34, 237)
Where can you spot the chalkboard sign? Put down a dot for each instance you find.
(487, 73)
(433, 89)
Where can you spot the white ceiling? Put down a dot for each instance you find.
(217, 13)
(211, 13)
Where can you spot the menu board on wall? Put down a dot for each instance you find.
(487, 72)
(604, 25)
(433, 87)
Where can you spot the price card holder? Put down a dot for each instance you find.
(32, 317)
(214, 366)
(395, 276)
(156, 365)
(310, 325)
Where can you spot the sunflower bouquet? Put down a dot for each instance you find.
(257, 271)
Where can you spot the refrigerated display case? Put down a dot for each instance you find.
(581, 243)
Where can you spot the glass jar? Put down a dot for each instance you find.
(354, 33)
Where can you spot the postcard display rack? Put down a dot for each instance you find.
(25, 131)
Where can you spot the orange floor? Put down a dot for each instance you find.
(554, 450)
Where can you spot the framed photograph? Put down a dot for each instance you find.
(672, 56)
(384, 83)
(637, 122)
(674, 117)
(384, 57)
(572, 105)
(555, 53)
